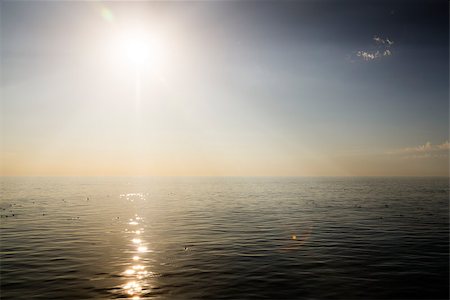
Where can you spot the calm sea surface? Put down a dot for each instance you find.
(224, 238)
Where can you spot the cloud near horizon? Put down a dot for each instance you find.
(426, 150)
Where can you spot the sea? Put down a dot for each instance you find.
(224, 238)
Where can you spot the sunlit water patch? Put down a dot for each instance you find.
(136, 275)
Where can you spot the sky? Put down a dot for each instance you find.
(224, 88)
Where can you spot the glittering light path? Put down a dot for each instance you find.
(136, 274)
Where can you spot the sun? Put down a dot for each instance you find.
(139, 49)
(136, 50)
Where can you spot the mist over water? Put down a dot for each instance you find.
(224, 238)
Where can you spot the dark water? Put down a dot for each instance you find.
(216, 238)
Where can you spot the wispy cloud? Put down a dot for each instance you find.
(373, 55)
(444, 146)
(382, 41)
(426, 150)
(380, 48)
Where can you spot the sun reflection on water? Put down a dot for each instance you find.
(142, 249)
(136, 272)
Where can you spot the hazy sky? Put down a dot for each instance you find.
(233, 88)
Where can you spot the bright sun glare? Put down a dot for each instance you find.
(139, 49)
(136, 49)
